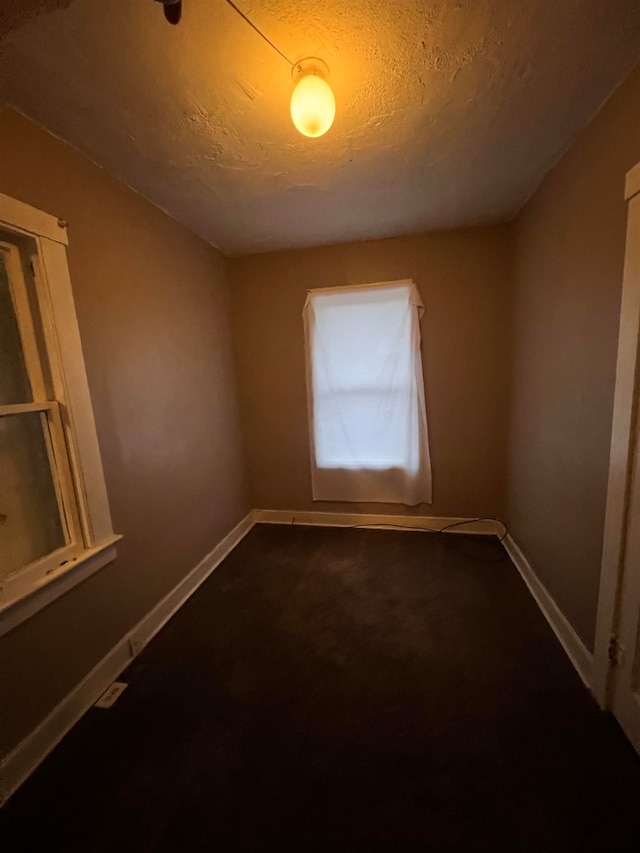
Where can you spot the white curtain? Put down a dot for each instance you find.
(365, 389)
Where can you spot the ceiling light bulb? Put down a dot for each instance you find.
(313, 106)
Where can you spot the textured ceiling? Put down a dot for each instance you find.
(449, 112)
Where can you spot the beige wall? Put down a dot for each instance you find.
(522, 432)
(153, 309)
(464, 279)
(568, 276)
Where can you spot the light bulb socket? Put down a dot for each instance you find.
(172, 10)
(309, 65)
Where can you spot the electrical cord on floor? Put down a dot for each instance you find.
(484, 518)
(447, 528)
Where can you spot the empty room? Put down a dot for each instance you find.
(319, 501)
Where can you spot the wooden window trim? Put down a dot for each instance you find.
(93, 540)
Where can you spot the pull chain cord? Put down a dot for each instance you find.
(261, 34)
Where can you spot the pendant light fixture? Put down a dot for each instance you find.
(313, 105)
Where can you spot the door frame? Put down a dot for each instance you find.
(623, 441)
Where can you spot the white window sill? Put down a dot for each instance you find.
(14, 611)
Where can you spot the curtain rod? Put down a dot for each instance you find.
(397, 283)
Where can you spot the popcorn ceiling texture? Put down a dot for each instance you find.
(449, 112)
(14, 13)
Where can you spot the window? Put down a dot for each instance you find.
(55, 526)
(366, 394)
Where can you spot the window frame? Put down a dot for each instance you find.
(314, 397)
(50, 418)
(78, 470)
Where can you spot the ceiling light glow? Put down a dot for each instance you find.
(313, 105)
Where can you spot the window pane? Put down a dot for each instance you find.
(364, 429)
(365, 415)
(14, 380)
(30, 525)
(359, 346)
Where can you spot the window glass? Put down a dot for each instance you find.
(30, 524)
(362, 380)
(14, 380)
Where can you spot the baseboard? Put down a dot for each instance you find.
(577, 652)
(487, 527)
(18, 765)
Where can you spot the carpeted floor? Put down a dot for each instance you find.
(343, 690)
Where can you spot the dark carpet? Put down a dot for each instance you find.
(337, 689)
